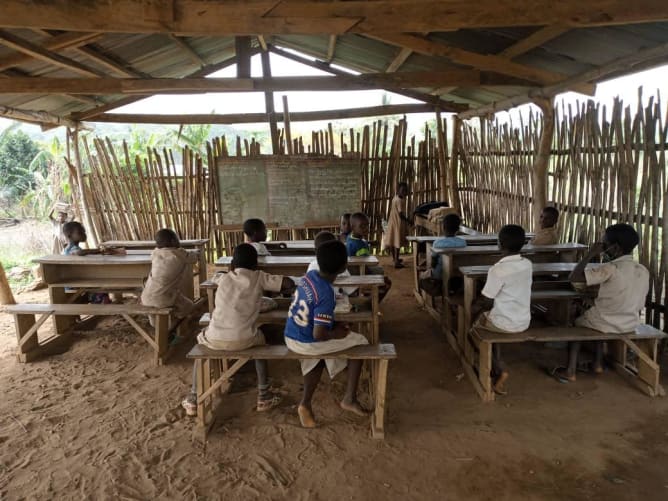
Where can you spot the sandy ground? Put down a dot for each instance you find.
(100, 422)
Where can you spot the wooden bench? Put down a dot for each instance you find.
(643, 343)
(211, 379)
(27, 326)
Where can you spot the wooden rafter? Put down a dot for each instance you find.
(36, 117)
(148, 86)
(188, 50)
(331, 48)
(656, 55)
(38, 52)
(400, 59)
(243, 118)
(420, 96)
(62, 41)
(536, 39)
(207, 18)
(262, 41)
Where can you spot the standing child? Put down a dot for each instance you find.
(311, 330)
(397, 225)
(357, 246)
(547, 234)
(233, 319)
(508, 290)
(59, 239)
(344, 227)
(171, 267)
(256, 234)
(624, 284)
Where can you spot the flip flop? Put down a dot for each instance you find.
(555, 373)
(269, 403)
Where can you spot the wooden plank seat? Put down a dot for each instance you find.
(102, 284)
(641, 369)
(27, 326)
(211, 379)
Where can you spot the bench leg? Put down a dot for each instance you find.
(378, 416)
(646, 374)
(161, 338)
(485, 369)
(29, 347)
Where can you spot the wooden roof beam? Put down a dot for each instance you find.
(188, 50)
(62, 41)
(207, 18)
(35, 117)
(492, 63)
(401, 58)
(148, 86)
(621, 66)
(443, 105)
(38, 52)
(243, 118)
(536, 39)
(331, 48)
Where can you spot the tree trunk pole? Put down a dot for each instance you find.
(454, 165)
(6, 296)
(542, 162)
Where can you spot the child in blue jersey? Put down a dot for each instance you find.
(357, 245)
(312, 330)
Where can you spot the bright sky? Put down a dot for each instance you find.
(627, 87)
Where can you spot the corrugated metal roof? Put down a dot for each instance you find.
(571, 53)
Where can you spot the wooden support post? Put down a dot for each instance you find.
(286, 125)
(454, 165)
(80, 182)
(542, 162)
(269, 104)
(443, 169)
(242, 46)
(6, 296)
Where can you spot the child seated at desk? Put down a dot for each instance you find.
(171, 267)
(232, 325)
(256, 234)
(548, 233)
(432, 278)
(357, 246)
(311, 330)
(508, 291)
(321, 238)
(344, 227)
(624, 284)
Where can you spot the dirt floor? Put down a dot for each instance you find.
(101, 422)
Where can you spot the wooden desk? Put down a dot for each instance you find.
(371, 283)
(292, 247)
(195, 244)
(95, 272)
(472, 274)
(297, 265)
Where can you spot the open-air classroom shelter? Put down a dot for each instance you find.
(69, 63)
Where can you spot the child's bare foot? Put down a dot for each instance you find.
(354, 407)
(499, 383)
(598, 369)
(306, 417)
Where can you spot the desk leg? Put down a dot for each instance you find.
(416, 271)
(202, 269)
(375, 310)
(201, 389)
(62, 323)
(211, 295)
(469, 297)
(378, 416)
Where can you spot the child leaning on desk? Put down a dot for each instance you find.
(358, 246)
(624, 284)
(311, 330)
(508, 292)
(171, 267)
(232, 326)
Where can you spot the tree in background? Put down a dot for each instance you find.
(194, 136)
(17, 152)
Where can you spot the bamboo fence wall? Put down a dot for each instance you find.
(131, 198)
(607, 165)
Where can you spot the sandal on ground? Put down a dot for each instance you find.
(190, 405)
(268, 403)
(559, 374)
(398, 266)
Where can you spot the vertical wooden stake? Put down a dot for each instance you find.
(454, 165)
(539, 172)
(80, 182)
(286, 124)
(269, 104)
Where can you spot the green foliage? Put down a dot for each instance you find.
(194, 136)
(18, 164)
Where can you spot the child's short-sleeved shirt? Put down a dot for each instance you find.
(313, 304)
(624, 285)
(546, 236)
(238, 301)
(338, 291)
(509, 285)
(261, 249)
(445, 243)
(169, 271)
(71, 249)
(357, 246)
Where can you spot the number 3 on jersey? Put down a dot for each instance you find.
(299, 311)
